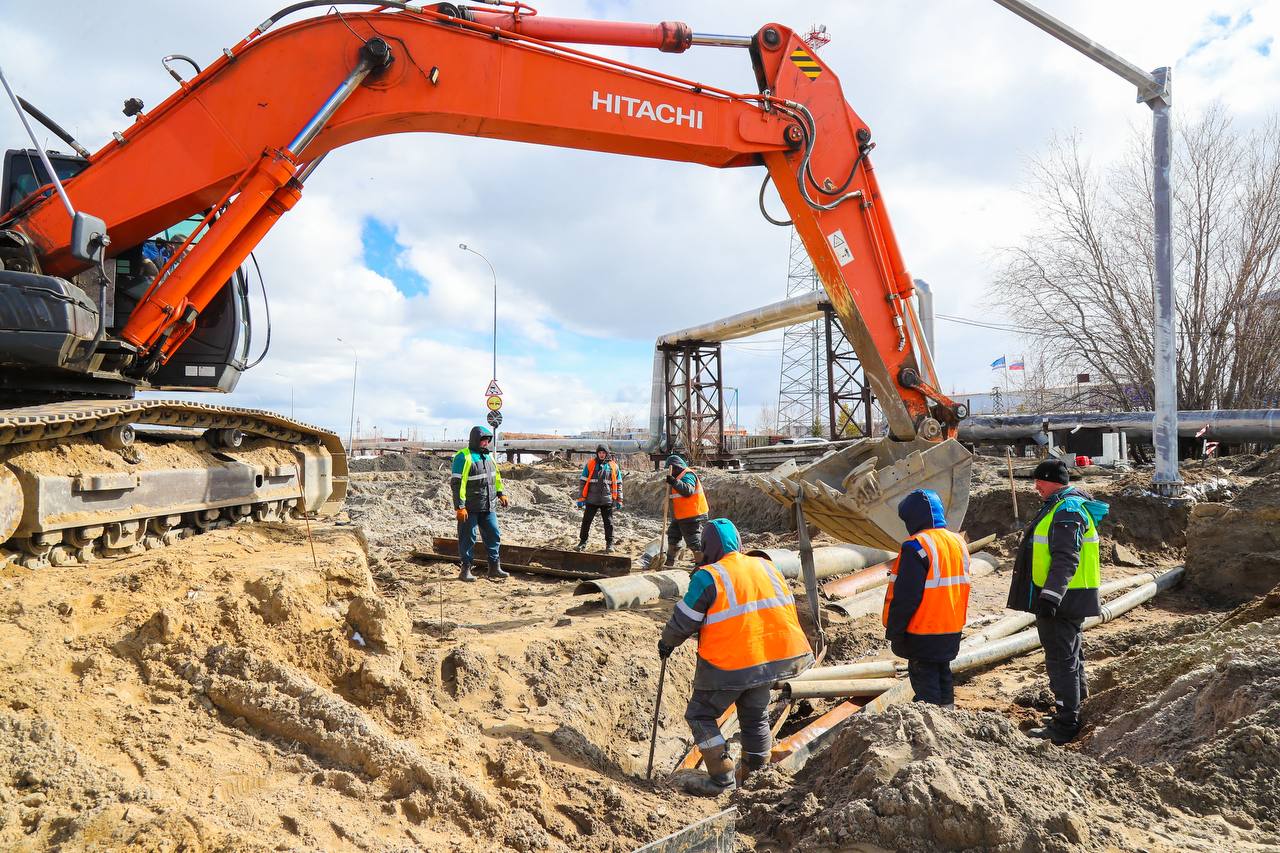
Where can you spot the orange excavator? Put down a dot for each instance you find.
(122, 269)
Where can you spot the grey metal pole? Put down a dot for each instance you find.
(1156, 91)
(1165, 370)
(464, 247)
(355, 369)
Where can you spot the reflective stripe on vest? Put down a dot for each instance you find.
(945, 601)
(692, 506)
(1088, 574)
(753, 618)
(612, 471)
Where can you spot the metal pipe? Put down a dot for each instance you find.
(924, 293)
(887, 668)
(1232, 425)
(837, 688)
(788, 312)
(827, 561)
(44, 158)
(791, 753)
(1018, 644)
(871, 599)
(878, 575)
(632, 591)
(1017, 621)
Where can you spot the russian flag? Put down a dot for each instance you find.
(1017, 365)
(998, 364)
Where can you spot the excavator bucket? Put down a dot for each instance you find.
(853, 494)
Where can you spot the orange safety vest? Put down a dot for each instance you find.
(591, 473)
(945, 603)
(753, 620)
(692, 506)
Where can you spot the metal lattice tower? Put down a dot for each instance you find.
(801, 388)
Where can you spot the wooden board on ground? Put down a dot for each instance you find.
(581, 565)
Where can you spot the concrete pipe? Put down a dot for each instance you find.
(827, 561)
(637, 590)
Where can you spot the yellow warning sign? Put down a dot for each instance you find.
(494, 403)
(808, 66)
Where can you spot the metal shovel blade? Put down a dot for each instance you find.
(853, 494)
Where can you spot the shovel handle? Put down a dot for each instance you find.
(657, 707)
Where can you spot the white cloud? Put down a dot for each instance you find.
(958, 94)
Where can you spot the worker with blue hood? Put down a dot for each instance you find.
(927, 601)
(476, 484)
(689, 510)
(748, 638)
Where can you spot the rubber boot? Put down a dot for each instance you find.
(670, 561)
(496, 573)
(582, 546)
(608, 546)
(720, 775)
(1057, 731)
(465, 574)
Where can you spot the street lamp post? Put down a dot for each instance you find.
(464, 247)
(355, 369)
(290, 381)
(1155, 89)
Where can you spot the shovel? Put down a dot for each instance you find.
(656, 551)
(657, 706)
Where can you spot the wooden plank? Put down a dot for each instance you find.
(552, 561)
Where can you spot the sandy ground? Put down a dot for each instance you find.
(235, 692)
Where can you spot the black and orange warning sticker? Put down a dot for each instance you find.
(808, 66)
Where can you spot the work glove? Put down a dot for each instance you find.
(1046, 608)
(461, 513)
(502, 499)
(664, 651)
(581, 504)
(617, 504)
(671, 481)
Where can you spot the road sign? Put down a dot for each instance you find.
(494, 403)
(493, 390)
(495, 419)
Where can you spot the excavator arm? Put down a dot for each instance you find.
(239, 139)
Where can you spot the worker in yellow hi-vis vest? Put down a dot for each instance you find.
(477, 492)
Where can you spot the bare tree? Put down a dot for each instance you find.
(1081, 284)
(767, 420)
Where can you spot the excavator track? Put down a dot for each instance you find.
(76, 485)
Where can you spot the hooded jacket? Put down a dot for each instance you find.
(474, 478)
(1066, 535)
(597, 480)
(719, 538)
(919, 510)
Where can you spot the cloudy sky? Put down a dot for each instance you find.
(596, 255)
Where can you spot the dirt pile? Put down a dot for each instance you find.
(228, 693)
(729, 495)
(1203, 709)
(1233, 550)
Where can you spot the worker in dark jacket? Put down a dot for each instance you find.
(477, 491)
(1056, 576)
(927, 601)
(748, 637)
(689, 510)
(600, 491)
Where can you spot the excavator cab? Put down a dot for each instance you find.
(853, 494)
(57, 336)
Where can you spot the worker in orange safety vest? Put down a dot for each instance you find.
(748, 638)
(927, 601)
(688, 508)
(600, 492)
